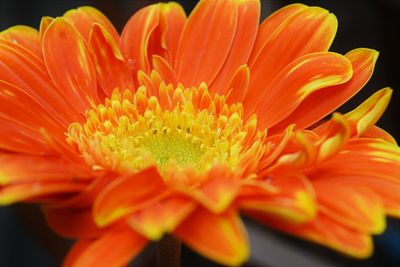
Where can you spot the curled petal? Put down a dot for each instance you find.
(83, 19)
(112, 70)
(220, 237)
(239, 84)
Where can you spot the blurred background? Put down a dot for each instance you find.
(26, 241)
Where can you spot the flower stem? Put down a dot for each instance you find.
(169, 252)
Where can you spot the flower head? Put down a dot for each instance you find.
(181, 123)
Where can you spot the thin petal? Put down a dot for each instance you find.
(294, 202)
(69, 65)
(35, 191)
(376, 132)
(270, 25)
(327, 232)
(165, 70)
(322, 102)
(113, 249)
(247, 24)
(128, 194)
(17, 168)
(220, 237)
(299, 79)
(44, 24)
(83, 19)
(112, 70)
(206, 41)
(25, 36)
(162, 217)
(356, 207)
(317, 28)
(72, 223)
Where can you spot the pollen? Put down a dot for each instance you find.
(177, 128)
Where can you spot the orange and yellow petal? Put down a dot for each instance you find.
(25, 36)
(206, 41)
(113, 249)
(220, 237)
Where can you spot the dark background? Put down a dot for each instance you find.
(25, 239)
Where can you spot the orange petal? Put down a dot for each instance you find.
(22, 69)
(72, 223)
(246, 30)
(83, 19)
(356, 207)
(69, 65)
(172, 20)
(218, 191)
(270, 25)
(125, 245)
(322, 102)
(239, 85)
(206, 41)
(25, 36)
(32, 191)
(128, 194)
(326, 232)
(376, 132)
(298, 80)
(165, 70)
(162, 217)
(136, 35)
(294, 201)
(16, 168)
(44, 24)
(317, 28)
(112, 70)
(220, 237)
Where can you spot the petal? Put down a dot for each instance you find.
(326, 232)
(294, 201)
(69, 65)
(220, 237)
(25, 36)
(206, 41)
(239, 85)
(376, 132)
(16, 168)
(136, 35)
(44, 24)
(112, 70)
(270, 25)
(356, 207)
(128, 194)
(125, 243)
(298, 80)
(218, 191)
(83, 19)
(172, 20)
(161, 217)
(22, 69)
(165, 70)
(322, 102)
(317, 28)
(246, 30)
(36, 191)
(72, 223)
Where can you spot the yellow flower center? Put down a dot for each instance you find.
(177, 129)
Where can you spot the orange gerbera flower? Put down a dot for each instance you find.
(180, 123)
